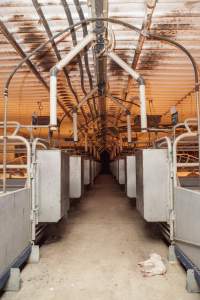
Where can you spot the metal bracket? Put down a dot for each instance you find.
(172, 255)
(145, 33)
(35, 254)
(14, 281)
(191, 283)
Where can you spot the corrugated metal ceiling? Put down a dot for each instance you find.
(166, 70)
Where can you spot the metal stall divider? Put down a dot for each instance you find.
(15, 216)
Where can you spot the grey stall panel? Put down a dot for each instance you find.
(52, 185)
(187, 223)
(76, 180)
(87, 171)
(15, 226)
(152, 184)
(92, 171)
(130, 176)
(116, 169)
(121, 171)
(13, 184)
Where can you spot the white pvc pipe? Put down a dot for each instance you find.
(75, 126)
(53, 101)
(136, 76)
(128, 117)
(143, 114)
(53, 76)
(86, 97)
(124, 65)
(82, 44)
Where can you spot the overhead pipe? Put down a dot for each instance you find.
(136, 76)
(128, 115)
(86, 97)
(53, 76)
(75, 111)
(115, 99)
(115, 21)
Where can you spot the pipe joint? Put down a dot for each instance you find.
(141, 80)
(5, 92)
(54, 71)
(145, 33)
(197, 87)
(74, 110)
(144, 129)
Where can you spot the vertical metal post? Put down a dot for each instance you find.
(5, 139)
(198, 119)
(120, 142)
(128, 116)
(75, 128)
(86, 142)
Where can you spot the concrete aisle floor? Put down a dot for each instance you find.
(97, 255)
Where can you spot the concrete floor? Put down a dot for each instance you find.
(97, 255)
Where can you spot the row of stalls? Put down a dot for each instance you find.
(41, 184)
(164, 179)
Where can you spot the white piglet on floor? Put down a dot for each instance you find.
(153, 266)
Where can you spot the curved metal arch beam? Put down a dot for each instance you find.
(146, 34)
(111, 20)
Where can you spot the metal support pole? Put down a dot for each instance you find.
(129, 137)
(5, 140)
(198, 119)
(86, 142)
(75, 127)
(120, 142)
